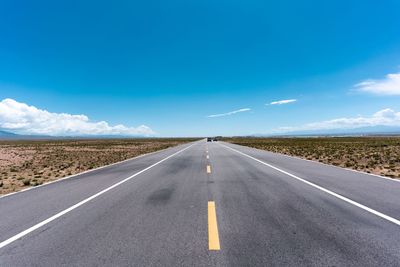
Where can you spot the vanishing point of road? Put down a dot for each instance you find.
(205, 204)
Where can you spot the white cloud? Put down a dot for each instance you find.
(384, 117)
(21, 118)
(281, 102)
(229, 113)
(390, 85)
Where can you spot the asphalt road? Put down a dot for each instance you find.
(205, 204)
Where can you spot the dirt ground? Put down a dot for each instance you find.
(31, 163)
(377, 155)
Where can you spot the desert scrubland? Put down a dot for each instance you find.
(31, 163)
(377, 155)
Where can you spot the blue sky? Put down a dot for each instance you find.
(169, 65)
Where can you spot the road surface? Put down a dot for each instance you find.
(205, 204)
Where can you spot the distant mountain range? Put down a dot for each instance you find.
(5, 135)
(364, 131)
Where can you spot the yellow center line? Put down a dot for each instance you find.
(213, 238)
(208, 169)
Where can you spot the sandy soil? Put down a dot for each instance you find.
(377, 155)
(31, 163)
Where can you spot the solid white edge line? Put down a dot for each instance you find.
(84, 172)
(325, 164)
(80, 173)
(361, 206)
(76, 174)
(52, 218)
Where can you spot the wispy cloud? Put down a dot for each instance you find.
(229, 113)
(390, 85)
(384, 117)
(22, 118)
(281, 102)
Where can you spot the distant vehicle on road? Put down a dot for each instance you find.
(218, 138)
(213, 139)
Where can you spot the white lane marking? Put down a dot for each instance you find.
(81, 173)
(52, 218)
(329, 165)
(361, 206)
(208, 157)
(342, 168)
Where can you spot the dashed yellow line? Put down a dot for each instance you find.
(213, 238)
(208, 169)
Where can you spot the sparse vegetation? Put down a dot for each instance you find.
(377, 155)
(32, 163)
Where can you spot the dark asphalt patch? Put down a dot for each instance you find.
(161, 196)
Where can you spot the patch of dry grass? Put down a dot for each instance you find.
(377, 155)
(31, 163)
